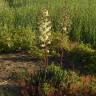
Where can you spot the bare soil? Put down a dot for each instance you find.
(12, 62)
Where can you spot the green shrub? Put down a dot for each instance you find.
(55, 79)
(24, 38)
(56, 44)
(53, 74)
(6, 17)
(83, 57)
(16, 39)
(6, 41)
(36, 52)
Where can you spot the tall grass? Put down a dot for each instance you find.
(23, 13)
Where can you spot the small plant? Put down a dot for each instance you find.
(55, 74)
(45, 87)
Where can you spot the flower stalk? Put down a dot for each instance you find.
(45, 33)
(65, 24)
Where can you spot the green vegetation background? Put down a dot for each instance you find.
(18, 25)
(19, 16)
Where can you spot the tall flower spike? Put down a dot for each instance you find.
(44, 27)
(65, 24)
(45, 32)
(65, 20)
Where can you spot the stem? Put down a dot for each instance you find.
(61, 57)
(73, 72)
(46, 57)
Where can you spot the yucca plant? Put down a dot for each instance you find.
(44, 29)
(65, 25)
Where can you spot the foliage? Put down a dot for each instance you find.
(45, 87)
(36, 52)
(54, 79)
(23, 38)
(24, 13)
(56, 43)
(16, 39)
(83, 56)
(6, 41)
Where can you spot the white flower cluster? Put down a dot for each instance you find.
(45, 28)
(65, 20)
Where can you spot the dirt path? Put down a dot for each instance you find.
(12, 62)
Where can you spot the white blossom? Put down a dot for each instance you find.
(49, 42)
(49, 34)
(43, 45)
(65, 29)
(45, 27)
(47, 51)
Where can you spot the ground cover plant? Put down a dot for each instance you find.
(55, 81)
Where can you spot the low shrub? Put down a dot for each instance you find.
(6, 41)
(24, 38)
(83, 56)
(16, 39)
(54, 81)
(68, 83)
